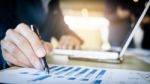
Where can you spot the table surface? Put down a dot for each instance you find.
(130, 63)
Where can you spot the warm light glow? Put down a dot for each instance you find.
(85, 12)
(92, 24)
(135, 1)
(75, 22)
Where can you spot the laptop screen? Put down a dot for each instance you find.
(132, 32)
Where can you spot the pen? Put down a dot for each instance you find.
(33, 28)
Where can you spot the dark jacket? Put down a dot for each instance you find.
(13, 12)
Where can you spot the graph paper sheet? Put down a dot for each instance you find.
(74, 75)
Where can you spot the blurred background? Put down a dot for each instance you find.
(103, 24)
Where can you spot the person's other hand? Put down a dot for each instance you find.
(122, 13)
(22, 47)
(69, 42)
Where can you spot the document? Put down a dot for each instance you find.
(60, 74)
(141, 54)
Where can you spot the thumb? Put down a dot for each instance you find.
(48, 47)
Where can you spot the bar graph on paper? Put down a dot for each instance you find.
(75, 75)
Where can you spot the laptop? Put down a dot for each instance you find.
(116, 57)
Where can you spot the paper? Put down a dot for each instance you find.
(138, 52)
(74, 75)
(141, 54)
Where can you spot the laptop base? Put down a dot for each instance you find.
(115, 61)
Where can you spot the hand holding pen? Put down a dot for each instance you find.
(22, 47)
(43, 59)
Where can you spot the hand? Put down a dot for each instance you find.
(22, 47)
(69, 42)
(122, 13)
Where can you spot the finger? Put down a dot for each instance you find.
(48, 47)
(64, 42)
(70, 45)
(77, 44)
(10, 59)
(32, 38)
(60, 43)
(64, 45)
(9, 64)
(16, 52)
(25, 47)
(77, 47)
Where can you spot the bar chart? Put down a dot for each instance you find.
(69, 74)
(75, 75)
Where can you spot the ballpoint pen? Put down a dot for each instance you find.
(33, 28)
